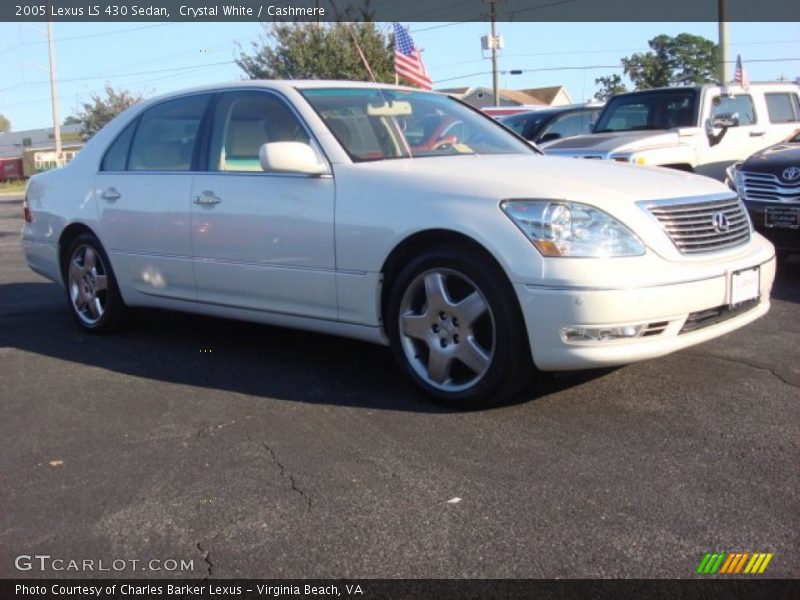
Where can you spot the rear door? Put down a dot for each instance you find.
(143, 194)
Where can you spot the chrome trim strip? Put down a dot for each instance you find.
(243, 263)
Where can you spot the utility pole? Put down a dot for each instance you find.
(722, 65)
(493, 42)
(495, 87)
(54, 93)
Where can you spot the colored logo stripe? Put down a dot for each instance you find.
(734, 563)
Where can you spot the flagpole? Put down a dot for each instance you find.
(361, 52)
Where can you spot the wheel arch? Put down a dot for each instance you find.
(71, 231)
(412, 245)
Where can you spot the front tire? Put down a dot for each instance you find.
(456, 329)
(92, 292)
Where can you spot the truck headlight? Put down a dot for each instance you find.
(560, 228)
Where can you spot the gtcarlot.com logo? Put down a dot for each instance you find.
(45, 562)
(734, 563)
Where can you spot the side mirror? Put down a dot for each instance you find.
(290, 157)
(549, 137)
(725, 120)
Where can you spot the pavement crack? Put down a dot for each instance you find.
(206, 552)
(286, 475)
(788, 380)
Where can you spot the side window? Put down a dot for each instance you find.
(243, 121)
(569, 125)
(166, 136)
(116, 158)
(738, 107)
(783, 108)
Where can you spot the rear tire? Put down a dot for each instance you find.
(92, 293)
(456, 329)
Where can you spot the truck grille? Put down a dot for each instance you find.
(702, 227)
(764, 187)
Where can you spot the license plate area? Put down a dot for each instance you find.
(745, 285)
(782, 217)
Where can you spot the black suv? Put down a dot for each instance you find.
(769, 184)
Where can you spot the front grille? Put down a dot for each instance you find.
(703, 227)
(712, 316)
(764, 187)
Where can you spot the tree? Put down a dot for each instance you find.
(682, 60)
(101, 110)
(5, 124)
(610, 85)
(320, 51)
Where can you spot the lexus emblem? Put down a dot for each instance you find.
(791, 173)
(721, 223)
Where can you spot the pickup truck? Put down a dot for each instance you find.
(701, 129)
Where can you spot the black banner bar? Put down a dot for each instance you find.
(731, 588)
(394, 10)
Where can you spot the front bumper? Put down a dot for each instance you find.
(674, 309)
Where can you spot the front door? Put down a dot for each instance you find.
(261, 241)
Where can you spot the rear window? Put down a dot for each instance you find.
(166, 135)
(783, 108)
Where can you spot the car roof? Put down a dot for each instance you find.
(282, 85)
(555, 110)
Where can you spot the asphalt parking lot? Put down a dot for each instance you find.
(263, 452)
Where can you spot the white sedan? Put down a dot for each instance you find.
(396, 216)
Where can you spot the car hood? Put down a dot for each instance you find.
(533, 176)
(607, 142)
(775, 159)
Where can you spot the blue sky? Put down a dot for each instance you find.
(153, 58)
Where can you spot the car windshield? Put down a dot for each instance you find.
(378, 124)
(649, 110)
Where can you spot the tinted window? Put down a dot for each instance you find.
(524, 124)
(739, 107)
(166, 136)
(116, 158)
(783, 108)
(243, 122)
(649, 110)
(572, 124)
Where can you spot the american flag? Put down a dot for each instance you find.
(739, 75)
(407, 59)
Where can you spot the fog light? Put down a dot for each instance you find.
(572, 335)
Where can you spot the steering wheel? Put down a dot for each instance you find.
(450, 140)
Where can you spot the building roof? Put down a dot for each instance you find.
(14, 143)
(546, 95)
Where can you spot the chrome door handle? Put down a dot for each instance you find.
(111, 194)
(207, 199)
(757, 133)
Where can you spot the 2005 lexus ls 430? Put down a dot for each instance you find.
(399, 217)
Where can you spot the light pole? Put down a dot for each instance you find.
(54, 93)
(722, 65)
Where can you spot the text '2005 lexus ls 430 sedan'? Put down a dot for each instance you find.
(328, 206)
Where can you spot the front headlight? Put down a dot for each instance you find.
(572, 229)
